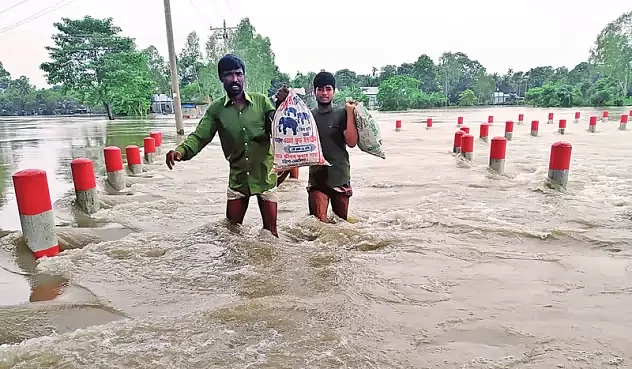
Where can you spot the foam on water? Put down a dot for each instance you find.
(444, 265)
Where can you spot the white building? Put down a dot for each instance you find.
(371, 92)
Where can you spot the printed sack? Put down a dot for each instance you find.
(295, 136)
(369, 137)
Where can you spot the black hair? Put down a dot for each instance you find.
(229, 62)
(323, 79)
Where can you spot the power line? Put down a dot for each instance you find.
(13, 6)
(60, 4)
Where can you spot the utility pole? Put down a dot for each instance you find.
(224, 35)
(175, 87)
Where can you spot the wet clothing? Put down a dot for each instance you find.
(244, 140)
(331, 123)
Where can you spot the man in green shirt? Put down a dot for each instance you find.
(337, 130)
(243, 122)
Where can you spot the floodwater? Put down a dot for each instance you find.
(444, 264)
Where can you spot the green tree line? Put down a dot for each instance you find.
(94, 68)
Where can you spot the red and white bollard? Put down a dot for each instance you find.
(562, 127)
(604, 117)
(456, 148)
(592, 125)
(624, 122)
(465, 129)
(535, 127)
(428, 123)
(114, 167)
(157, 136)
(490, 120)
(149, 149)
(294, 173)
(484, 132)
(550, 121)
(467, 146)
(398, 125)
(520, 119)
(134, 162)
(497, 152)
(509, 130)
(36, 212)
(459, 121)
(85, 185)
(577, 115)
(560, 162)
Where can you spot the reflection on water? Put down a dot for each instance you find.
(52, 143)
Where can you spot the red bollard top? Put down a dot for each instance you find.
(113, 159)
(534, 125)
(562, 123)
(593, 121)
(484, 129)
(624, 118)
(465, 129)
(83, 174)
(429, 122)
(149, 145)
(31, 192)
(467, 143)
(132, 152)
(398, 124)
(520, 117)
(457, 138)
(605, 114)
(550, 116)
(498, 148)
(509, 126)
(157, 137)
(490, 119)
(560, 156)
(460, 120)
(577, 115)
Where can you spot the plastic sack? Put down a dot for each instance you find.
(369, 137)
(295, 136)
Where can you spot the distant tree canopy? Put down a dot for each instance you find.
(96, 68)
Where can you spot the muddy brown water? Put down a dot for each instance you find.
(444, 264)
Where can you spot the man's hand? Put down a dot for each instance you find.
(350, 106)
(281, 94)
(172, 157)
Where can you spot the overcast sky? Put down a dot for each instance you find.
(334, 34)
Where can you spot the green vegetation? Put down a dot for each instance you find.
(94, 68)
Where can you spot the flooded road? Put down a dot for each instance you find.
(445, 265)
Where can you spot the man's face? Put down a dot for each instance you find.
(325, 94)
(233, 81)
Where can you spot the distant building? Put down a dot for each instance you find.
(193, 110)
(161, 104)
(371, 93)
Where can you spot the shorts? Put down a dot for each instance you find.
(344, 190)
(269, 195)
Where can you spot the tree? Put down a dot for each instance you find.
(425, 71)
(127, 82)
(158, 69)
(84, 50)
(5, 77)
(190, 60)
(346, 78)
(256, 53)
(467, 98)
(398, 93)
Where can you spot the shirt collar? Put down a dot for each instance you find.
(227, 99)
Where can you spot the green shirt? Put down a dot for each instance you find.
(331, 123)
(244, 140)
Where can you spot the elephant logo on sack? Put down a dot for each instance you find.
(288, 122)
